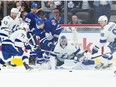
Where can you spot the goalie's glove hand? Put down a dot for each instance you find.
(95, 49)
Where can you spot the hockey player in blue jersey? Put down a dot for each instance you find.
(14, 45)
(52, 32)
(39, 34)
(48, 34)
(31, 18)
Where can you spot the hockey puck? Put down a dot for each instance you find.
(70, 70)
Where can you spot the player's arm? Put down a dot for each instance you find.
(28, 19)
(5, 24)
(102, 41)
(57, 32)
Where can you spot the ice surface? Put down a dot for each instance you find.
(19, 77)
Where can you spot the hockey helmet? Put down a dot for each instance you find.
(63, 41)
(103, 18)
(14, 10)
(34, 5)
(39, 21)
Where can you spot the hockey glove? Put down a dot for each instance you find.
(95, 49)
(49, 36)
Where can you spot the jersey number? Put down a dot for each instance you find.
(114, 31)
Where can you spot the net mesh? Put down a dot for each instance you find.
(83, 35)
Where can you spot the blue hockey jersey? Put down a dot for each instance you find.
(60, 21)
(51, 26)
(31, 20)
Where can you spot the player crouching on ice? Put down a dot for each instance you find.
(70, 56)
(14, 46)
(107, 35)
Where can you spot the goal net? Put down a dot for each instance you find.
(83, 35)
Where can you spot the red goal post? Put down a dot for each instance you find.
(86, 30)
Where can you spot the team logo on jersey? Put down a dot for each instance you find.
(102, 34)
(53, 22)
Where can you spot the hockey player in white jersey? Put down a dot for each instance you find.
(15, 45)
(69, 53)
(10, 23)
(66, 49)
(107, 35)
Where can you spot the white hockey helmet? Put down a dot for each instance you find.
(14, 10)
(103, 18)
(24, 26)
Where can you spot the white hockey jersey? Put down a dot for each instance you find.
(9, 24)
(69, 49)
(108, 34)
(18, 38)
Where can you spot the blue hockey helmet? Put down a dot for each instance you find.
(39, 21)
(34, 5)
(63, 37)
(63, 41)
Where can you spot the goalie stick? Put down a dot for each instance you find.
(100, 55)
(74, 55)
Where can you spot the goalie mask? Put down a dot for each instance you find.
(63, 41)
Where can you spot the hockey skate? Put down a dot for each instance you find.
(27, 67)
(99, 66)
(115, 72)
(107, 66)
(10, 64)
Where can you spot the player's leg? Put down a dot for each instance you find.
(26, 63)
(106, 60)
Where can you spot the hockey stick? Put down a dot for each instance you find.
(100, 55)
(31, 38)
(74, 55)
